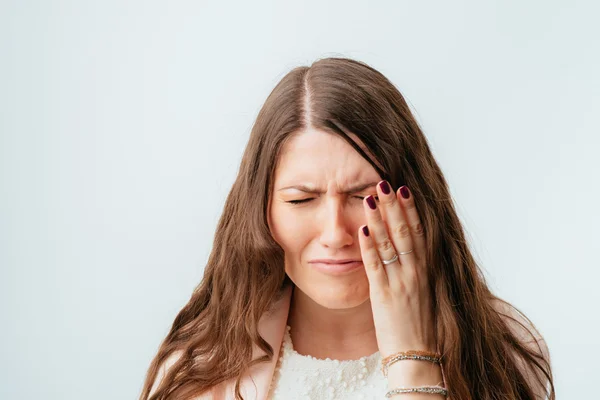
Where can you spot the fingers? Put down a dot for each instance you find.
(381, 240)
(376, 274)
(398, 225)
(394, 228)
(407, 201)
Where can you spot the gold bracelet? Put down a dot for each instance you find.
(409, 355)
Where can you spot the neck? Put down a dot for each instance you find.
(340, 334)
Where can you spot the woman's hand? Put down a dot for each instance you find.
(399, 291)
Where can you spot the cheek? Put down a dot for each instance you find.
(291, 229)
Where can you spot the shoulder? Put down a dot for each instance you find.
(531, 338)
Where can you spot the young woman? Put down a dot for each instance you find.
(340, 269)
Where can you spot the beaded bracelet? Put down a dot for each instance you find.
(409, 355)
(422, 389)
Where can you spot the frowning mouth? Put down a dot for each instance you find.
(336, 267)
(334, 261)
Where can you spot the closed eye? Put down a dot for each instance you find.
(298, 201)
(307, 200)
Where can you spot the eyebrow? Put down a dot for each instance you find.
(350, 190)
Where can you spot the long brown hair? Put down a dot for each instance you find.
(485, 342)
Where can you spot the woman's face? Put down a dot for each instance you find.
(327, 179)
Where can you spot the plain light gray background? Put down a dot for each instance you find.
(123, 122)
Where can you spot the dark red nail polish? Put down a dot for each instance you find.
(366, 230)
(371, 202)
(404, 192)
(385, 188)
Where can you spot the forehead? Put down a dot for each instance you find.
(319, 157)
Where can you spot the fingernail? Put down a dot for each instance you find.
(371, 202)
(385, 188)
(404, 192)
(366, 230)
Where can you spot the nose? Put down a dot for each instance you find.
(336, 231)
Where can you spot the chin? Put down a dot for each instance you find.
(338, 297)
(342, 304)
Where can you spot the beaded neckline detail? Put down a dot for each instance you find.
(300, 376)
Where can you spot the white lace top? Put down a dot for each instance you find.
(308, 378)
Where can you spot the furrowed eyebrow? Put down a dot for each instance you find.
(350, 190)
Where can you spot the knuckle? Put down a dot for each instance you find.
(385, 246)
(418, 229)
(401, 230)
(410, 205)
(389, 201)
(398, 288)
(383, 296)
(373, 265)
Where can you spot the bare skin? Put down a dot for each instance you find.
(329, 204)
(330, 316)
